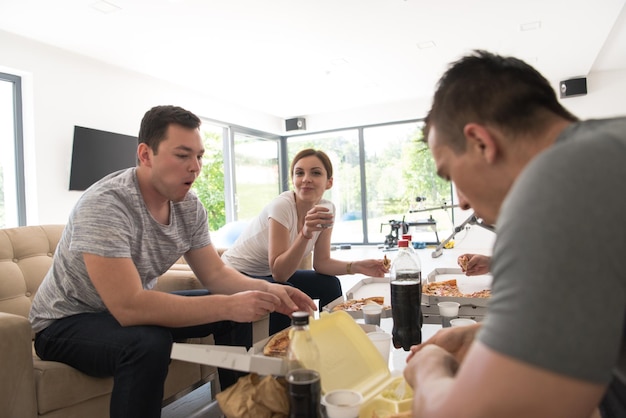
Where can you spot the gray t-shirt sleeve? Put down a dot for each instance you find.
(558, 263)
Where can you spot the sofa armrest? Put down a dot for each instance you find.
(175, 279)
(17, 387)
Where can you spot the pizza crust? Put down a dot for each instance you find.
(386, 262)
(463, 260)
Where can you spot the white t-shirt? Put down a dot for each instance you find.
(250, 252)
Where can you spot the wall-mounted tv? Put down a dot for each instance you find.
(98, 153)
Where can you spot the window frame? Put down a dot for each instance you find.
(18, 145)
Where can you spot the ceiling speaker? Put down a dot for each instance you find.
(295, 124)
(573, 87)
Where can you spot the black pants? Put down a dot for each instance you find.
(136, 356)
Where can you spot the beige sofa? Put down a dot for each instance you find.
(31, 387)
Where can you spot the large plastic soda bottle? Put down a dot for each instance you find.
(406, 297)
(302, 351)
(303, 366)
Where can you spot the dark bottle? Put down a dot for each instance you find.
(304, 391)
(303, 366)
(406, 297)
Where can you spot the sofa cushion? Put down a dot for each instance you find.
(52, 380)
(25, 257)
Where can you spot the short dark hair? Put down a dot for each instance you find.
(491, 89)
(156, 121)
(319, 154)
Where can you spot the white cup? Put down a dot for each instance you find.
(448, 310)
(329, 206)
(382, 342)
(460, 322)
(371, 313)
(342, 403)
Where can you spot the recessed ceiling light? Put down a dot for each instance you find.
(426, 45)
(106, 7)
(530, 26)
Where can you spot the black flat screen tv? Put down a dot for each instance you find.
(97, 153)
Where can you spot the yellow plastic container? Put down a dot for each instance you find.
(349, 360)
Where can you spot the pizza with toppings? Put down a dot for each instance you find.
(449, 288)
(357, 304)
(278, 344)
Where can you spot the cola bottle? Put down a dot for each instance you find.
(303, 366)
(406, 297)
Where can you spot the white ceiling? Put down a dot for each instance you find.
(300, 57)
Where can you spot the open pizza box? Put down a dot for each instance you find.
(474, 308)
(367, 287)
(349, 360)
(234, 358)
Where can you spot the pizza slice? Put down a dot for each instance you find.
(278, 344)
(357, 304)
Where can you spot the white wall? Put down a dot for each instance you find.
(62, 89)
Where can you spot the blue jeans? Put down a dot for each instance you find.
(316, 285)
(136, 356)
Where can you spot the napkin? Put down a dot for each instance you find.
(255, 397)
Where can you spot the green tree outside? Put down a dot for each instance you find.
(209, 186)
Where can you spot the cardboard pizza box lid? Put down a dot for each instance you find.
(238, 358)
(366, 287)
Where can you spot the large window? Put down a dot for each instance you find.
(383, 175)
(12, 193)
(402, 184)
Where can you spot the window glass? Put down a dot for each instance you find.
(402, 184)
(209, 186)
(256, 174)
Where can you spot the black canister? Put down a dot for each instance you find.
(406, 298)
(304, 390)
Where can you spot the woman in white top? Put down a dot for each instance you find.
(295, 223)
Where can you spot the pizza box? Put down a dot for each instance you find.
(367, 287)
(436, 318)
(238, 358)
(467, 284)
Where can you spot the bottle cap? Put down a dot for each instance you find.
(300, 318)
(403, 243)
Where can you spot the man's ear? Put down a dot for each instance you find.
(478, 136)
(143, 154)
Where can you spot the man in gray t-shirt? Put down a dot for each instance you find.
(554, 341)
(94, 309)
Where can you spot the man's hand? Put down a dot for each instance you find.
(251, 305)
(454, 340)
(291, 299)
(431, 375)
(474, 264)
